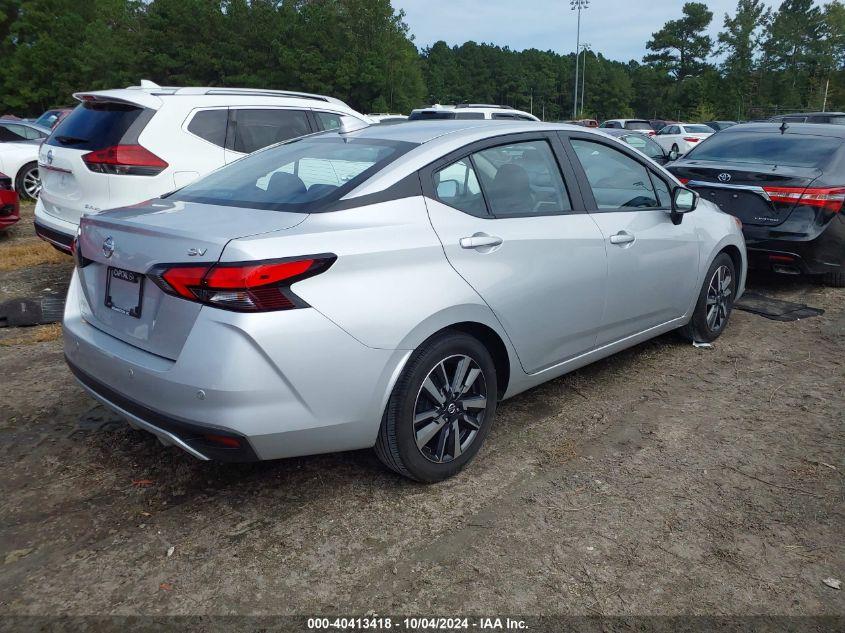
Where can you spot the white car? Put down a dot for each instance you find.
(121, 147)
(387, 118)
(19, 159)
(682, 137)
(439, 112)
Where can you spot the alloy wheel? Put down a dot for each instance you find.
(32, 183)
(450, 408)
(719, 293)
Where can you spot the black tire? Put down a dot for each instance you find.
(397, 446)
(676, 149)
(700, 329)
(834, 280)
(22, 181)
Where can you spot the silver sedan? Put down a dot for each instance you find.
(388, 286)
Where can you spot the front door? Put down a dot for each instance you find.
(652, 263)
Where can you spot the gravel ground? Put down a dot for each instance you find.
(665, 480)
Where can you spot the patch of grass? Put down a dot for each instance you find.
(30, 335)
(30, 253)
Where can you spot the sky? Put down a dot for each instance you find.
(619, 29)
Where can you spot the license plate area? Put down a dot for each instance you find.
(124, 291)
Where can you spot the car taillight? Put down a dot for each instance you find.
(124, 160)
(243, 287)
(691, 139)
(683, 181)
(829, 198)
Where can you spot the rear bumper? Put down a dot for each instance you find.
(812, 254)
(284, 383)
(60, 233)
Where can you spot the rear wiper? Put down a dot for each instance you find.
(71, 140)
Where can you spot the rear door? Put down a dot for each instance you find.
(252, 128)
(652, 263)
(70, 186)
(514, 228)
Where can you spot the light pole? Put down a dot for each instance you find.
(585, 47)
(577, 5)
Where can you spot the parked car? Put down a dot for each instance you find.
(682, 137)
(120, 147)
(9, 207)
(787, 187)
(388, 119)
(51, 118)
(18, 130)
(834, 118)
(19, 159)
(439, 112)
(387, 287)
(640, 125)
(645, 144)
(720, 125)
(659, 124)
(584, 122)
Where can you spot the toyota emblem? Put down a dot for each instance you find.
(108, 246)
(724, 177)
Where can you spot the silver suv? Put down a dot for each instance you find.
(387, 287)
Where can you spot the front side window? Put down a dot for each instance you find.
(617, 180)
(328, 120)
(256, 129)
(294, 176)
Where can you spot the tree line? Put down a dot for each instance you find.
(362, 51)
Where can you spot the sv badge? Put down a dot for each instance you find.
(194, 252)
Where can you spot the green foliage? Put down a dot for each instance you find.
(362, 52)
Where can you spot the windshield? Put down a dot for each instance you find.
(295, 175)
(699, 129)
(767, 149)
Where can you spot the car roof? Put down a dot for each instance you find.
(615, 131)
(806, 129)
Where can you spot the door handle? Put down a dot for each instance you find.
(621, 238)
(480, 240)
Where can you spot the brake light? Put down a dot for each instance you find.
(243, 287)
(124, 160)
(691, 139)
(828, 198)
(683, 181)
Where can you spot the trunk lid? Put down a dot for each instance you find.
(740, 188)
(130, 241)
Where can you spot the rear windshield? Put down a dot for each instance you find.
(637, 125)
(300, 175)
(767, 149)
(425, 115)
(97, 125)
(699, 129)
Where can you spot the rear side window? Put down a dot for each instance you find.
(767, 149)
(297, 176)
(97, 125)
(837, 120)
(210, 125)
(256, 129)
(469, 115)
(457, 185)
(617, 181)
(427, 115)
(12, 133)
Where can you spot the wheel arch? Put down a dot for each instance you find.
(495, 345)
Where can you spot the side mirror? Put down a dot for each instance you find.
(447, 189)
(683, 201)
(673, 154)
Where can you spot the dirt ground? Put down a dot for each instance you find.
(665, 480)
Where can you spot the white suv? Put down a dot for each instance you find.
(121, 147)
(470, 111)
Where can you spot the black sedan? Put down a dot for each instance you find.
(644, 143)
(787, 184)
